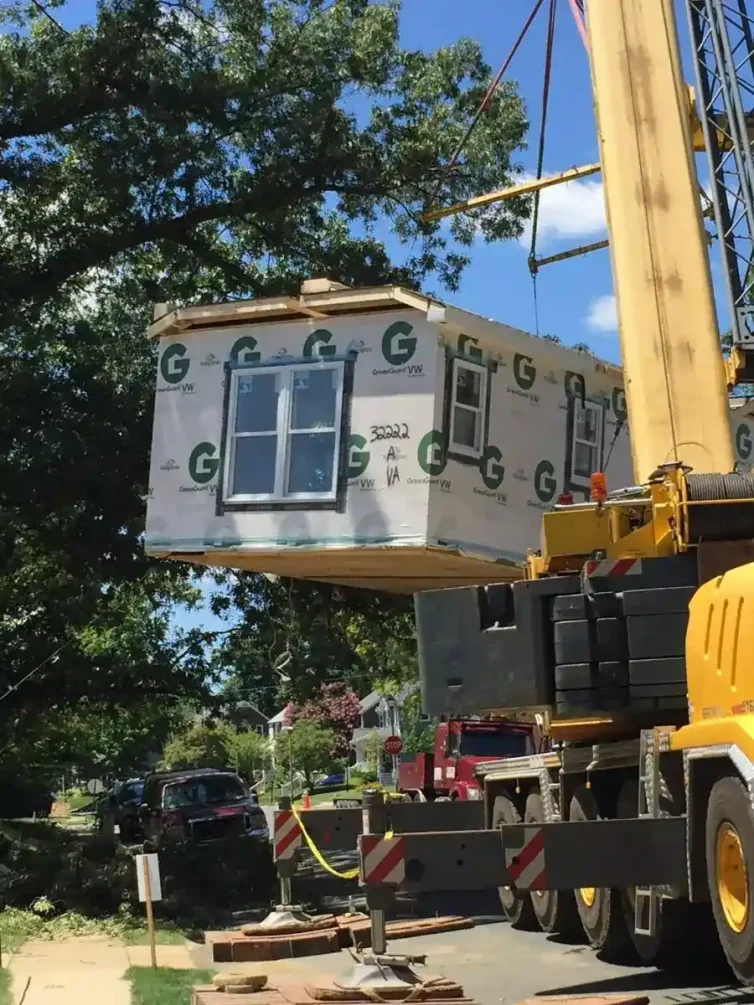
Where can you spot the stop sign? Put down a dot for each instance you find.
(393, 745)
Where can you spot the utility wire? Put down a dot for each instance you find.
(484, 105)
(17, 685)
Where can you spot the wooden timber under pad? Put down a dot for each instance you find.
(361, 931)
(438, 989)
(326, 934)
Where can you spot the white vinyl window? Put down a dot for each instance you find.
(283, 434)
(586, 454)
(468, 405)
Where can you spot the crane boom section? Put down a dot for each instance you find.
(674, 372)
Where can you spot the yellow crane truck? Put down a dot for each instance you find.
(633, 632)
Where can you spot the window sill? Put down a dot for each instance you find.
(278, 505)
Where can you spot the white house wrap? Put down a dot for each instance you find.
(372, 437)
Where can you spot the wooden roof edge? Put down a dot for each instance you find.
(171, 320)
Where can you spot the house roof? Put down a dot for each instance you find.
(371, 701)
(320, 299)
(374, 698)
(278, 717)
(333, 302)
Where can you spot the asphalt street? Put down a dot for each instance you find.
(498, 964)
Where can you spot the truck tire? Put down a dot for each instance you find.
(674, 934)
(599, 907)
(517, 907)
(555, 910)
(730, 873)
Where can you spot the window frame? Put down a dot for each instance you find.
(599, 406)
(456, 451)
(270, 502)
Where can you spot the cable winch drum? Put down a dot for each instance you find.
(726, 522)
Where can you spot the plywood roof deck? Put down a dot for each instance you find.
(395, 570)
(331, 300)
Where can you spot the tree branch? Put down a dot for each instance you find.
(43, 10)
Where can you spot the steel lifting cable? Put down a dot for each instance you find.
(485, 104)
(541, 153)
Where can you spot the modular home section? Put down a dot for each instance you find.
(374, 437)
(523, 420)
(368, 437)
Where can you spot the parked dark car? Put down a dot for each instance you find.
(200, 807)
(124, 799)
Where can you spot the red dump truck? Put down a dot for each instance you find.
(461, 746)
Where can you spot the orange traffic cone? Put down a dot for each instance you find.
(306, 802)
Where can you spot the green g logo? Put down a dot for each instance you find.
(431, 453)
(469, 346)
(244, 350)
(619, 404)
(575, 386)
(202, 463)
(358, 457)
(398, 344)
(491, 469)
(544, 482)
(524, 371)
(743, 442)
(319, 338)
(173, 366)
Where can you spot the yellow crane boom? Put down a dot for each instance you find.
(675, 379)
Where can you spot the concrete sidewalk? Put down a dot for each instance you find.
(70, 972)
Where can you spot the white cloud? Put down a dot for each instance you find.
(602, 315)
(571, 210)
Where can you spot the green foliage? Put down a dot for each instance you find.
(199, 746)
(43, 865)
(418, 735)
(164, 986)
(308, 746)
(373, 751)
(364, 776)
(320, 633)
(249, 753)
(173, 151)
(52, 881)
(5, 993)
(216, 746)
(219, 136)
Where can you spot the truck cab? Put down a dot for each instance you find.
(449, 772)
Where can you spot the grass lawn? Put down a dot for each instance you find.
(163, 986)
(168, 935)
(5, 996)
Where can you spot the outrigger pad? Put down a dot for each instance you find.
(476, 653)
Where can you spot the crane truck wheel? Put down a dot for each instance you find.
(598, 907)
(517, 907)
(730, 873)
(674, 917)
(555, 910)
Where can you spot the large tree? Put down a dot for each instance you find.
(191, 152)
(246, 136)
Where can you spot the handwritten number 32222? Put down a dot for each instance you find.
(397, 431)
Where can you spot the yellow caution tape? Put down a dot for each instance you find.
(348, 874)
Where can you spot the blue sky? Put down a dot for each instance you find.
(574, 297)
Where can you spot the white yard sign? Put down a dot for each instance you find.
(150, 863)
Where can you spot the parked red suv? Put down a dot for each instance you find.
(199, 807)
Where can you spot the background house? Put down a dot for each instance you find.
(380, 713)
